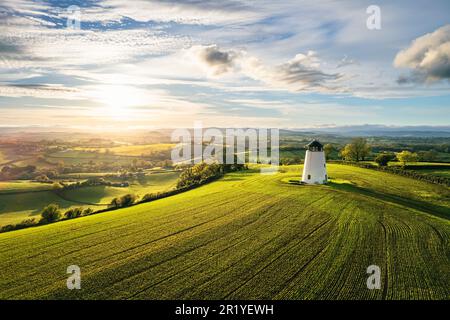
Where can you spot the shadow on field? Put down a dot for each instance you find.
(433, 209)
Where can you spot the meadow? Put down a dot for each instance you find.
(20, 200)
(247, 236)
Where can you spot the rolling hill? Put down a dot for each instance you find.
(20, 200)
(247, 236)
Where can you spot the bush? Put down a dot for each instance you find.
(202, 173)
(124, 201)
(73, 213)
(51, 213)
(88, 211)
(115, 203)
(128, 200)
(383, 159)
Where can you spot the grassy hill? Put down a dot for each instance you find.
(247, 236)
(16, 207)
(20, 200)
(152, 183)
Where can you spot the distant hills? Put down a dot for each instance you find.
(354, 130)
(381, 130)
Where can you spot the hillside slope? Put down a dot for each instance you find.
(247, 236)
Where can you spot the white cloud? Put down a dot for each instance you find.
(302, 73)
(428, 56)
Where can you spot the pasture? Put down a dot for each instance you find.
(247, 236)
(20, 200)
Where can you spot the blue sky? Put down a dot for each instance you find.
(168, 63)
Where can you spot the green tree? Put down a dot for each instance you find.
(328, 149)
(87, 211)
(128, 200)
(50, 213)
(407, 156)
(115, 203)
(427, 155)
(73, 213)
(383, 159)
(358, 149)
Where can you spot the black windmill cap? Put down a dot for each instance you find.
(314, 143)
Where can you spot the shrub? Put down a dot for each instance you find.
(383, 159)
(124, 201)
(88, 211)
(50, 213)
(128, 200)
(115, 203)
(73, 213)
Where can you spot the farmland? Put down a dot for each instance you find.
(132, 150)
(247, 236)
(21, 200)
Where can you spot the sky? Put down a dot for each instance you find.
(166, 63)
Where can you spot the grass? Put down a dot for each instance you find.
(247, 236)
(437, 172)
(152, 183)
(17, 207)
(22, 186)
(20, 200)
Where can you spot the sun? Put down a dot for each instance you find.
(119, 102)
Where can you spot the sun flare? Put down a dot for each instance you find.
(119, 101)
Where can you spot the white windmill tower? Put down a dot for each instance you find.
(314, 169)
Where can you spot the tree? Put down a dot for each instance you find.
(128, 200)
(349, 153)
(383, 159)
(357, 150)
(50, 213)
(407, 156)
(115, 203)
(73, 213)
(361, 147)
(328, 149)
(427, 155)
(87, 211)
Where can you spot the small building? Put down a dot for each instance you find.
(314, 168)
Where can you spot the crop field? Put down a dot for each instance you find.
(102, 195)
(16, 207)
(20, 200)
(22, 186)
(133, 150)
(247, 236)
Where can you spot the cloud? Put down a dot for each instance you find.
(38, 91)
(204, 12)
(428, 56)
(215, 60)
(302, 73)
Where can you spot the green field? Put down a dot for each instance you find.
(16, 207)
(247, 236)
(152, 183)
(20, 200)
(22, 186)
